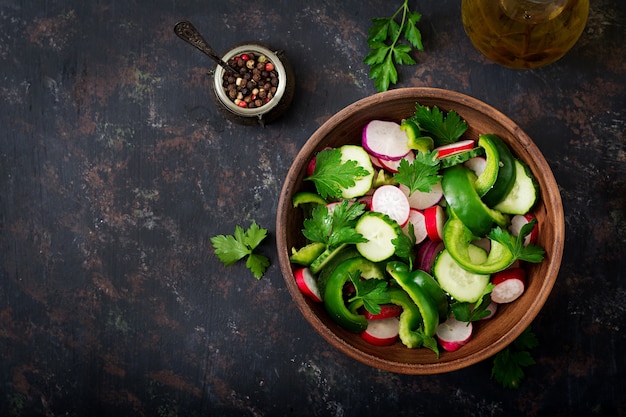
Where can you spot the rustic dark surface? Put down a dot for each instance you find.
(116, 169)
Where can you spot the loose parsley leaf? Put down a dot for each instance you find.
(530, 253)
(232, 248)
(444, 130)
(372, 292)
(337, 228)
(508, 364)
(332, 175)
(386, 47)
(420, 174)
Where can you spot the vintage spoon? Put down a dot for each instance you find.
(187, 32)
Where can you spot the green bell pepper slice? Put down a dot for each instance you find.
(465, 203)
(506, 173)
(457, 238)
(333, 295)
(410, 329)
(422, 299)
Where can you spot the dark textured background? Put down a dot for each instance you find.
(116, 169)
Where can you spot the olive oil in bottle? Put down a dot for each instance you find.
(524, 33)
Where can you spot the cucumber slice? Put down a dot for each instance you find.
(523, 194)
(459, 158)
(379, 230)
(462, 285)
(307, 254)
(361, 157)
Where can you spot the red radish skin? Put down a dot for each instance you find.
(456, 147)
(386, 311)
(435, 219)
(385, 140)
(367, 200)
(392, 166)
(308, 284)
(382, 332)
(388, 199)
(417, 219)
(420, 200)
(310, 168)
(452, 334)
(476, 164)
(508, 285)
(518, 221)
(427, 253)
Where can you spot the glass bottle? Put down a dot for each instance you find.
(524, 33)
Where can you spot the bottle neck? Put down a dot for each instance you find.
(533, 11)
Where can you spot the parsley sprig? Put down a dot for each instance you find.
(445, 128)
(509, 363)
(387, 49)
(420, 174)
(372, 292)
(530, 253)
(336, 228)
(332, 175)
(241, 244)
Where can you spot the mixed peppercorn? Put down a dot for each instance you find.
(256, 82)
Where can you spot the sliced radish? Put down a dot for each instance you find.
(476, 164)
(382, 332)
(456, 147)
(392, 165)
(518, 221)
(417, 219)
(509, 285)
(386, 311)
(427, 253)
(385, 140)
(420, 200)
(452, 334)
(435, 219)
(308, 284)
(388, 199)
(375, 161)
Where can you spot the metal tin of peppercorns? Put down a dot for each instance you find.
(260, 92)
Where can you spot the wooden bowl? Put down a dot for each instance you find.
(490, 336)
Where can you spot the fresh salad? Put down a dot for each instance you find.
(417, 232)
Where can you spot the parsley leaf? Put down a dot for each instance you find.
(337, 228)
(508, 364)
(232, 248)
(530, 253)
(420, 174)
(444, 130)
(372, 292)
(332, 175)
(473, 311)
(404, 245)
(387, 50)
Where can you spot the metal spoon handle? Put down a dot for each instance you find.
(187, 32)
